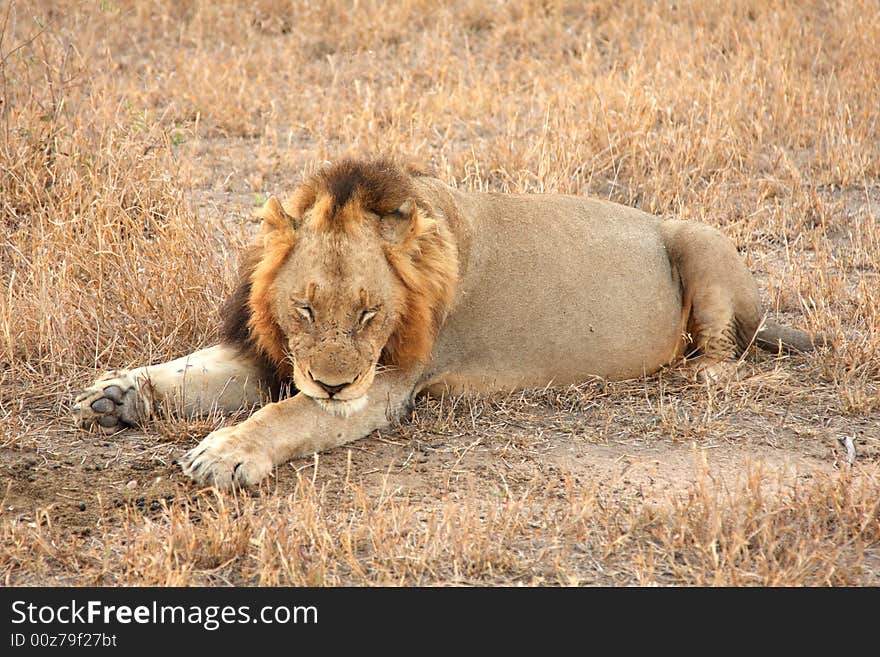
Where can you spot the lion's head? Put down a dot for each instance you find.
(354, 273)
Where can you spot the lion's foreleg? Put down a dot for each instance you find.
(247, 452)
(216, 379)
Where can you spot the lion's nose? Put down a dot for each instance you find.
(330, 389)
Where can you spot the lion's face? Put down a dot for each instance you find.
(355, 272)
(337, 302)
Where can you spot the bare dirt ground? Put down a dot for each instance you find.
(138, 139)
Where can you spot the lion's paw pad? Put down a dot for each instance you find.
(111, 403)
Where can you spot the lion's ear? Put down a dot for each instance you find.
(275, 218)
(395, 226)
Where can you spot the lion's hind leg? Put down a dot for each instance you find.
(216, 379)
(716, 333)
(720, 300)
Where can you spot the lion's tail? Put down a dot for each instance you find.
(773, 336)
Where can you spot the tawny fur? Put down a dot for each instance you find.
(273, 248)
(374, 284)
(340, 199)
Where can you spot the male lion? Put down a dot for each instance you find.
(376, 283)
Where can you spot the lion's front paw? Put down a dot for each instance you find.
(116, 400)
(226, 457)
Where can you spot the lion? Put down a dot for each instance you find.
(375, 283)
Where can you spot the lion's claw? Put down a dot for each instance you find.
(226, 458)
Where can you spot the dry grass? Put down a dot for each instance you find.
(135, 136)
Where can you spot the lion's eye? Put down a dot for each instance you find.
(306, 313)
(367, 315)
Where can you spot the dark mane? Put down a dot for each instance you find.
(235, 329)
(379, 186)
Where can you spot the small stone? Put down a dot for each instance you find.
(82, 507)
(107, 421)
(131, 485)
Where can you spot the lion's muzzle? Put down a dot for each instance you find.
(333, 386)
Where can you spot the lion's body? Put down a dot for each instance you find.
(555, 289)
(373, 285)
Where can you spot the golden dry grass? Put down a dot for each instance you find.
(136, 137)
